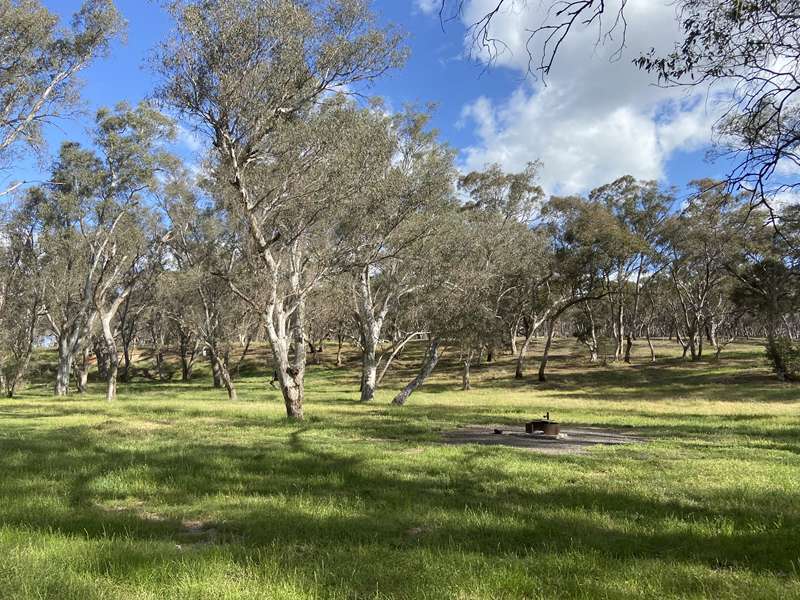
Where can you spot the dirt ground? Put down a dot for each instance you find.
(573, 440)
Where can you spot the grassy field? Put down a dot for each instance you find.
(174, 492)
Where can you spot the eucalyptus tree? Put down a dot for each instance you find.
(85, 212)
(21, 295)
(766, 272)
(204, 251)
(330, 316)
(389, 226)
(169, 310)
(635, 211)
(440, 306)
(699, 243)
(537, 290)
(133, 309)
(503, 207)
(251, 75)
(580, 238)
(470, 270)
(129, 263)
(39, 61)
(483, 283)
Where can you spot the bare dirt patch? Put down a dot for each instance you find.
(573, 440)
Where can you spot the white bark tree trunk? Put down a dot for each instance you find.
(64, 370)
(431, 359)
(465, 382)
(546, 352)
(111, 353)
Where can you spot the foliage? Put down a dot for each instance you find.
(784, 355)
(40, 61)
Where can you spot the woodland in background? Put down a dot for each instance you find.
(316, 221)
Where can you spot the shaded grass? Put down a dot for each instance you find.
(174, 492)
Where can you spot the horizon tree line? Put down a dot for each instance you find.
(317, 218)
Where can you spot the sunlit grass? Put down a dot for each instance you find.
(174, 492)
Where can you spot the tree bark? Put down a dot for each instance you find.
(339, 350)
(395, 352)
(431, 358)
(224, 374)
(216, 376)
(64, 369)
(289, 368)
(82, 372)
(371, 316)
(650, 343)
(546, 351)
(188, 355)
(519, 372)
(620, 330)
(111, 354)
(514, 331)
(465, 382)
(369, 370)
(628, 346)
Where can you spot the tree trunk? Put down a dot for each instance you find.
(11, 382)
(111, 382)
(514, 331)
(712, 337)
(369, 372)
(465, 383)
(590, 341)
(431, 358)
(126, 357)
(111, 355)
(101, 356)
(224, 375)
(290, 380)
(398, 348)
(82, 373)
(186, 371)
(546, 352)
(777, 356)
(628, 346)
(215, 374)
(64, 371)
(700, 341)
(692, 342)
(19, 374)
(339, 351)
(620, 329)
(316, 354)
(650, 344)
(188, 356)
(519, 373)
(290, 369)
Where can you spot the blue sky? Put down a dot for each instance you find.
(488, 114)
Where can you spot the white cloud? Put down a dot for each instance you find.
(190, 139)
(784, 199)
(428, 6)
(597, 118)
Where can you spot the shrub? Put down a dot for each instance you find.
(784, 356)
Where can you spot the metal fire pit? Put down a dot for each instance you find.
(545, 426)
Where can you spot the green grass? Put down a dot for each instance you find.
(174, 492)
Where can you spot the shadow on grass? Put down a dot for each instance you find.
(74, 485)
